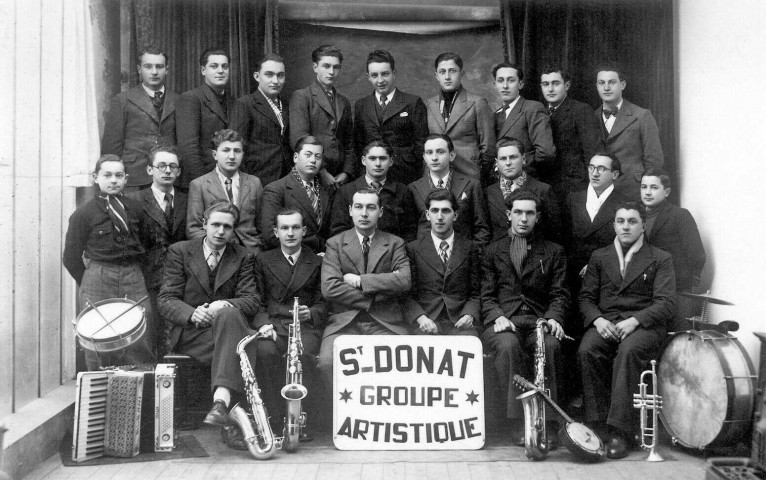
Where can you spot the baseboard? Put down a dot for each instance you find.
(35, 431)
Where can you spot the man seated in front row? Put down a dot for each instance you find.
(365, 276)
(446, 288)
(524, 282)
(208, 294)
(627, 298)
(292, 270)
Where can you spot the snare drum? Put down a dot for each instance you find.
(110, 326)
(707, 383)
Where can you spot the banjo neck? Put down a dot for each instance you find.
(527, 385)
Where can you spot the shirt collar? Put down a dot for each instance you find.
(604, 195)
(389, 97)
(369, 180)
(436, 179)
(150, 92)
(619, 105)
(295, 255)
(159, 195)
(513, 103)
(223, 178)
(361, 237)
(437, 241)
(207, 250)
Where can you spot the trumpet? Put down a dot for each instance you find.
(646, 402)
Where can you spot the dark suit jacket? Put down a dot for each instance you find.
(186, 284)
(384, 285)
(550, 225)
(528, 123)
(577, 137)
(164, 234)
(675, 231)
(470, 128)
(542, 285)
(269, 154)
(635, 140)
(278, 284)
(199, 116)
(311, 114)
(471, 221)
(584, 236)
(132, 128)
(404, 126)
(647, 292)
(456, 288)
(287, 192)
(207, 189)
(399, 215)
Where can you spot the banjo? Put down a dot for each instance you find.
(583, 442)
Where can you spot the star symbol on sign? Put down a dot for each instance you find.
(345, 395)
(472, 397)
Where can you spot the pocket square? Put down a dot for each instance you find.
(463, 196)
(404, 114)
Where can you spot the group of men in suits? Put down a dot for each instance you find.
(435, 217)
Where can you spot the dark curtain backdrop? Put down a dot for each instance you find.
(580, 34)
(185, 29)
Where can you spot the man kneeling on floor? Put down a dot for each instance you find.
(208, 294)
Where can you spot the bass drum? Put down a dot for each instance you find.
(707, 383)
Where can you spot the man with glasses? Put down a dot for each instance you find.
(590, 215)
(627, 130)
(165, 211)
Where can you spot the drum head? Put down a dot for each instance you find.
(92, 323)
(694, 391)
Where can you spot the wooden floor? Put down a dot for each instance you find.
(320, 460)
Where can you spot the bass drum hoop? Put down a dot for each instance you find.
(740, 405)
(117, 342)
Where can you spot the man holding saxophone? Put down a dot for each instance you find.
(281, 275)
(523, 282)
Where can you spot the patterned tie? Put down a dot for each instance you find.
(331, 97)
(229, 191)
(365, 249)
(383, 101)
(443, 247)
(551, 110)
(212, 259)
(117, 214)
(157, 102)
(314, 202)
(169, 208)
(518, 252)
(375, 185)
(440, 184)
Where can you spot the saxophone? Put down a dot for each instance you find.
(535, 438)
(255, 427)
(294, 391)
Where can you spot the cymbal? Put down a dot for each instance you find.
(706, 297)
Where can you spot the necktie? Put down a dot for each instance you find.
(609, 112)
(157, 102)
(518, 252)
(229, 191)
(507, 111)
(440, 184)
(375, 185)
(383, 101)
(443, 248)
(169, 208)
(551, 110)
(212, 259)
(365, 250)
(331, 97)
(314, 202)
(290, 259)
(117, 214)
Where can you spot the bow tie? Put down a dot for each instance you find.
(610, 112)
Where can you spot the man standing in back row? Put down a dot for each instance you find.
(628, 131)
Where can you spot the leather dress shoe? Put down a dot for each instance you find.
(617, 448)
(233, 438)
(305, 436)
(218, 414)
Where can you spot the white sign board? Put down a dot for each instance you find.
(408, 392)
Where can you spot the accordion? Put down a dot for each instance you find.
(119, 413)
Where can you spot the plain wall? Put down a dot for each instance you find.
(719, 54)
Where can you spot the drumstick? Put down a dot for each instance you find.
(94, 307)
(109, 322)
